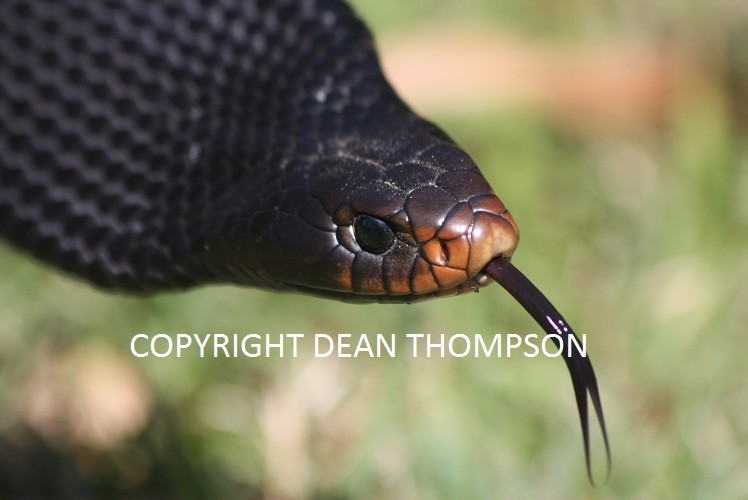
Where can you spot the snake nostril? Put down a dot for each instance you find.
(434, 252)
(445, 250)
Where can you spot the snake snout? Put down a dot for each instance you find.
(472, 234)
(493, 235)
(494, 232)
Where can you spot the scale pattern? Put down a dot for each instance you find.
(154, 145)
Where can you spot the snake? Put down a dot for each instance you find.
(157, 146)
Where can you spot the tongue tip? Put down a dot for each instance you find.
(579, 366)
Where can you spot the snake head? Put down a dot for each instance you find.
(398, 228)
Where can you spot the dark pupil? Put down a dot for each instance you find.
(373, 235)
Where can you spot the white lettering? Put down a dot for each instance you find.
(582, 350)
(294, 341)
(256, 346)
(183, 342)
(202, 344)
(132, 346)
(330, 344)
(510, 345)
(430, 345)
(557, 341)
(487, 350)
(465, 339)
(220, 345)
(168, 345)
(382, 343)
(415, 337)
(363, 345)
(530, 343)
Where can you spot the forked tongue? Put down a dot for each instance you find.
(580, 367)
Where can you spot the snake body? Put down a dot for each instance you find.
(153, 145)
(148, 146)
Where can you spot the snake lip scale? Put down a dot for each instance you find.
(153, 146)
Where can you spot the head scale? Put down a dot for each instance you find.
(402, 226)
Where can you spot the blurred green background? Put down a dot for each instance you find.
(618, 138)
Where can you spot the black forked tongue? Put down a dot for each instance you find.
(580, 367)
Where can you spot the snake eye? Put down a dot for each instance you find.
(373, 235)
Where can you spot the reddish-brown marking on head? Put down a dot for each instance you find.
(456, 240)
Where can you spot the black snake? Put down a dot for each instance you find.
(148, 146)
